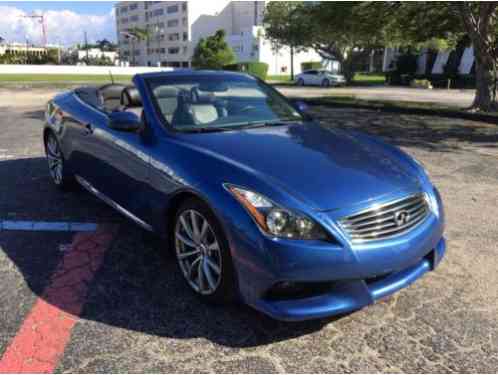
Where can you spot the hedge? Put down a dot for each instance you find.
(308, 65)
(258, 69)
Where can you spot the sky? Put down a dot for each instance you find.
(66, 21)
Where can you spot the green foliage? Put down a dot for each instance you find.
(213, 52)
(311, 65)
(258, 69)
(50, 57)
(333, 29)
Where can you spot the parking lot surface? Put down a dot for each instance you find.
(138, 316)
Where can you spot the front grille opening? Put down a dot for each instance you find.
(388, 220)
(289, 290)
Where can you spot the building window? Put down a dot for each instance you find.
(116, 11)
(172, 23)
(184, 6)
(185, 36)
(124, 20)
(172, 9)
(185, 50)
(133, 6)
(173, 50)
(184, 21)
(173, 37)
(123, 10)
(162, 50)
(134, 18)
(158, 12)
(137, 52)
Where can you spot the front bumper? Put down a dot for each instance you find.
(349, 295)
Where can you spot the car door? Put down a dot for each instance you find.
(110, 163)
(312, 77)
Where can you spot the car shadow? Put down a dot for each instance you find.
(138, 286)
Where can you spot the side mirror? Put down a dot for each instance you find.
(124, 121)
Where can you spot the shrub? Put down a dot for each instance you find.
(308, 65)
(213, 52)
(258, 69)
(421, 83)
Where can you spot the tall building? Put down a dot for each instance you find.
(175, 27)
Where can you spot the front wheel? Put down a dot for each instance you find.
(56, 163)
(325, 83)
(203, 254)
(300, 82)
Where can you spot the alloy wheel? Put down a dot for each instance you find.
(54, 159)
(198, 252)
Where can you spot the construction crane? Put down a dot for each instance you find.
(41, 20)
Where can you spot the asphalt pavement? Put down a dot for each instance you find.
(138, 316)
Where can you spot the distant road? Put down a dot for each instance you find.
(452, 98)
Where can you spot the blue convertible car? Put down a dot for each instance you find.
(257, 199)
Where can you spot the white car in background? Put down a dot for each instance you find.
(320, 77)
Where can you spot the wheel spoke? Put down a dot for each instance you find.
(200, 278)
(188, 254)
(185, 240)
(195, 227)
(209, 276)
(192, 265)
(186, 227)
(204, 230)
(214, 246)
(213, 266)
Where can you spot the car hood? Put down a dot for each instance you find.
(324, 168)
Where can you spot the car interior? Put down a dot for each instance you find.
(187, 105)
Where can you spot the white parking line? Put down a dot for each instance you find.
(50, 226)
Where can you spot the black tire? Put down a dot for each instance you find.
(227, 289)
(300, 82)
(64, 180)
(325, 83)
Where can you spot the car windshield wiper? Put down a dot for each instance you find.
(248, 125)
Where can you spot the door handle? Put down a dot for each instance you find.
(88, 129)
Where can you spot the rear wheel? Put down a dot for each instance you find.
(202, 253)
(300, 82)
(325, 83)
(56, 163)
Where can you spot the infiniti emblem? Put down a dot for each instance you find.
(401, 217)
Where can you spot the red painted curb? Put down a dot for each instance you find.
(44, 334)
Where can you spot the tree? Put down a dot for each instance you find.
(283, 27)
(136, 34)
(213, 52)
(422, 22)
(334, 29)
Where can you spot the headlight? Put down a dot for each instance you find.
(277, 221)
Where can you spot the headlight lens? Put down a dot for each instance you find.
(275, 220)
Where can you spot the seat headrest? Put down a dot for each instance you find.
(130, 97)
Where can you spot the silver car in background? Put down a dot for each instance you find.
(319, 77)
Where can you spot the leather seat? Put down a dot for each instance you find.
(131, 100)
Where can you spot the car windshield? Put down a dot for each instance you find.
(216, 102)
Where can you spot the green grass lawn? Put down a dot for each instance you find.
(278, 78)
(367, 79)
(60, 78)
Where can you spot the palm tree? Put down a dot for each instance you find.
(136, 34)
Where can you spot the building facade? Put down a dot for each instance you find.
(175, 27)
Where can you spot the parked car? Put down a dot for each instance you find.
(322, 78)
(257, 200)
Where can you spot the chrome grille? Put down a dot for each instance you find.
(387, 220)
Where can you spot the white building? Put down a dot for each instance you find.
(175, 28)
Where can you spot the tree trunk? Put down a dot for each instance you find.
(292, 63)
(480, 25)
(485, 85)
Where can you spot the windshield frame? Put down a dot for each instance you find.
(149, 82)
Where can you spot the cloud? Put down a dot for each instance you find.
(63, 26)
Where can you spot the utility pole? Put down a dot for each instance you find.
(41, 20)
(86, 47)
